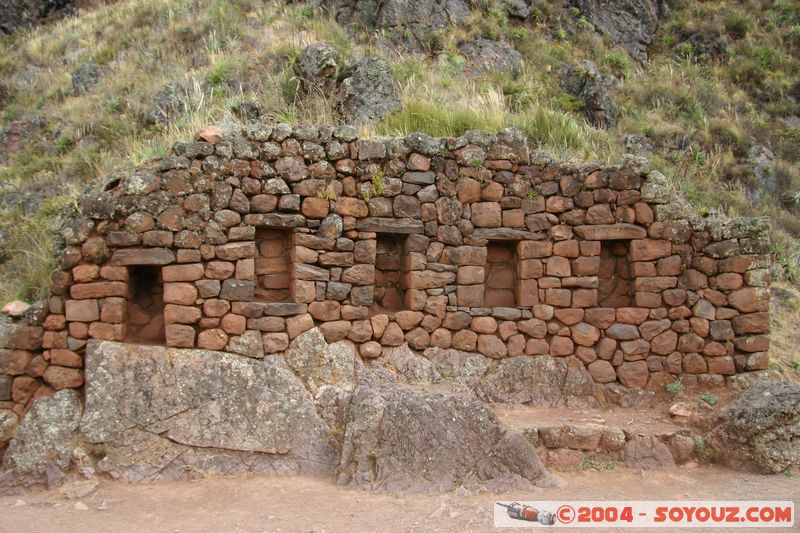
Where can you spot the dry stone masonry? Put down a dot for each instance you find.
(241, 242)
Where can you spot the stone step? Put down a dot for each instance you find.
(604, 439)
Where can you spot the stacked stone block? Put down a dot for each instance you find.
(462, 243)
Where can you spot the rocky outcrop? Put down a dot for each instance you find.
(539, 381)
(628, 23)
(168, 102)
(414, 26)
(156, 410)
(368, 93)
(585, 82)
(17, 14)
(760, 430)
(42, 448)
(318, 66)
(484, 55)
(433, 439)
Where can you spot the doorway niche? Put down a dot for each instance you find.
(615, 286)
(145, 318)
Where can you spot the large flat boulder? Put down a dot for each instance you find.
(541, 381)
(434, 438)
(177, 405)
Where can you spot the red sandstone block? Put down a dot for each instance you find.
(590, 248)
(219, 270)
(654, 283)
(298, 324)
(108, 332)
(179, 336)
(85, 273)
(586, 266)
(181, 314)
(55, 322)
(527, 292)
(112, 310)
(567, 248)
(647, 299)
(98, 289)
(62, 357)
(60, 377)
(749, 299)
(212, 339)
(728, 281)
(112, 273)
(558, 297)
(534, 249)
(180, 293)
(52, 339)
(558, 266)
(643, 268)
(82, 310)
(233, 324)
(79, 330)
(649, 249)
(584, 298)
(184, 272)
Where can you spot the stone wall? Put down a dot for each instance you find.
(242, 242)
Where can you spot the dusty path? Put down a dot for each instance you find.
(304, 504)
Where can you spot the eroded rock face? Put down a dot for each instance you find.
(412, 25)
(760, 430)
(23, 13)
(368, 93)
(629, 23)
(437, 438)
(318, 363)
(539, 381)
(585, 82)
(317, 66)
(485, 56)
(171, 402)
(42, 448)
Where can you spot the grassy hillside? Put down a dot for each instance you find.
(722, 77)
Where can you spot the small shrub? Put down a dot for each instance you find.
(220, 72)
(619, 63)
(675, 387)
(738, 24)
(709, 398)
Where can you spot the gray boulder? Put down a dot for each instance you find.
(461, 367)
(760, 430)
(368, 93)
(628, 23)
(413, 368)
(646, 452)
(437, 438)
(585, 82)
(318, 363)
(415, 26)
(484, 55)
(85, 77)
(541, 381)
(163, 413)
(17, 14)
(520, 9)
(42, 448)
(168, 102)
(317, 66)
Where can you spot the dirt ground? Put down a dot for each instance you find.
(297, 504)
